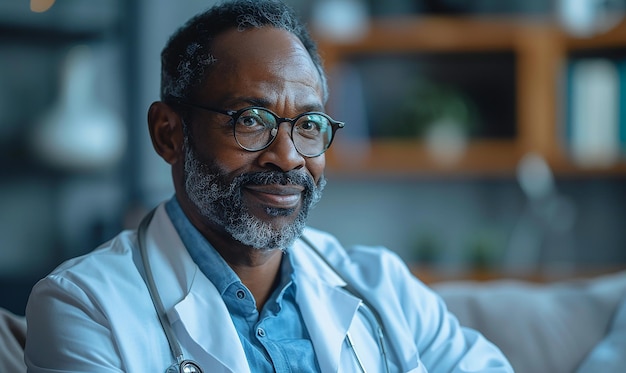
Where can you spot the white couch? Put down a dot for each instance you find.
(567, 326)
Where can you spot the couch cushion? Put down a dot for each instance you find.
(539, 327)
(12, 340)
(609, 356)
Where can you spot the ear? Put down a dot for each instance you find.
(166, 132)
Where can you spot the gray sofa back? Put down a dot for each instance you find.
(548, 327)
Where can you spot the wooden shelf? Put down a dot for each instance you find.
(485, 158)
(432, 34)
(614, 38)
(433, 275)
(495, 157)
(540, 48)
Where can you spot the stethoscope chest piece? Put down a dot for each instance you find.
(186, 366)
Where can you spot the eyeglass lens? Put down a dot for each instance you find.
(256, 128)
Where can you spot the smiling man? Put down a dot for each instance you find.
(225, 276)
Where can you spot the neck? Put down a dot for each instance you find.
(262, 276)
(258, 269)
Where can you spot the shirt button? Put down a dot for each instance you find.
(241, 294)
(260, 332)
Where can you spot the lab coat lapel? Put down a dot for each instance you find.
(206, 320)
(194, 306)
(327, 312)
(327, 309)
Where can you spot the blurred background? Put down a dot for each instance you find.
(483, 138)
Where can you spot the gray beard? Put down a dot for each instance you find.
(222, 202)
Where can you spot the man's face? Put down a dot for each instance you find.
(222, 201)
(260, 198)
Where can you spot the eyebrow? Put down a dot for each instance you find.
(262, 102)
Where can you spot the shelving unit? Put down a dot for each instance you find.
(36, 192)
(540, 50)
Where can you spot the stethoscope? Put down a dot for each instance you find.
(183, 365)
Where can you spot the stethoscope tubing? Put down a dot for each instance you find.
(175, 347)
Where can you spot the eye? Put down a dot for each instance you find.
(249, 121)
(312, 125)
(252, 120)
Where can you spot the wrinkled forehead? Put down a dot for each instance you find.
(241, 56)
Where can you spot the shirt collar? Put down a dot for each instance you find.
(201, 251)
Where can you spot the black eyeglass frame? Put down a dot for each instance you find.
(235, 114)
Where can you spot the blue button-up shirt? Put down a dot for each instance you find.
(276, 340)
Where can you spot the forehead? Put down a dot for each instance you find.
(265, 62)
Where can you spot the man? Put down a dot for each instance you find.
(235, 276)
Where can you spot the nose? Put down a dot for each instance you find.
(282, 154)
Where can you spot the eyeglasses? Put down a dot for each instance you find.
(255, 128)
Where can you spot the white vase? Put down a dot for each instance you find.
(79, 132)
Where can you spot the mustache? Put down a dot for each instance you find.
(276, 177)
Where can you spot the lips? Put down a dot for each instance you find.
(276, 195)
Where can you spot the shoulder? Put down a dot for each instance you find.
(91, 280)
(111, 257)
(334, 251)
(95, 300)
(371, 263)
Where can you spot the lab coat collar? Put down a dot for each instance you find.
(193, 304)
(212, 330)
(401, 344)
(327, 309)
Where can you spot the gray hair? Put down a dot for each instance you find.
(187, 57)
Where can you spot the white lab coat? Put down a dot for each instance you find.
(94, 313)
